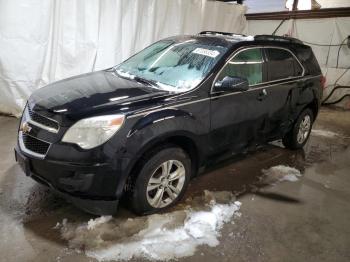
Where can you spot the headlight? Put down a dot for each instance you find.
(93, 131)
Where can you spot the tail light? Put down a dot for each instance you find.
(323, 82)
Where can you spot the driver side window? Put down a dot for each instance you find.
(246, 64)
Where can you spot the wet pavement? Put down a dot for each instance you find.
(308, 219)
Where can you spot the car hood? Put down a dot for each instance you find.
(101, 92)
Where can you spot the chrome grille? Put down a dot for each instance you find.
(41, 121)
(29, 143)
(35, 145)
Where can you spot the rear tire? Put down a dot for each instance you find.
(297, 137)
(161, 181)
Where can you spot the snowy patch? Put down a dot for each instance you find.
(155, 237)
(280, 173)
(324, 133)
(93, 223)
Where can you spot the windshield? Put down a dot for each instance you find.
(172, 66)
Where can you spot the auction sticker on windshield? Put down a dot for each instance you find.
(206, 52)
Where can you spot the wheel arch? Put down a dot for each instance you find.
(313, 106)
(182, 140)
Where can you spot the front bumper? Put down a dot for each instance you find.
(90, 187)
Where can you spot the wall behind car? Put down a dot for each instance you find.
(323, 33)
(44, 41)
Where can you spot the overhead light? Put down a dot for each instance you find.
(303, 5)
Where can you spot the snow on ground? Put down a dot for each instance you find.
(280, 173)
(93, 223)
(325, 133)
(156, 237)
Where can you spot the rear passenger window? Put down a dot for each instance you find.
(247, 64)
(281, 64)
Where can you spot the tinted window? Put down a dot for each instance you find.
(281, 64)
(247, 64)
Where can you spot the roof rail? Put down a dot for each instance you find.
(286, 39)
(218, 33)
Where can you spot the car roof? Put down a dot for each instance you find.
(206, 40)
(227, 40)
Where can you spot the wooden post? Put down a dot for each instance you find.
(295, 5)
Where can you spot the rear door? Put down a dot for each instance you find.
(284, 74)
(237, 118)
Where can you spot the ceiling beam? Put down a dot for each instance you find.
(301, 14)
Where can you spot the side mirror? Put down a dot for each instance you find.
(232, 84)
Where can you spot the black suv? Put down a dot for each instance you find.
(144, 128)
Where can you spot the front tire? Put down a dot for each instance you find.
(297, 137)
(161, 181)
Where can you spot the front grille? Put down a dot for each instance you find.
(42, 120)
(27, 140)
(35, 145)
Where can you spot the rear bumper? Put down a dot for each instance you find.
(90, 187)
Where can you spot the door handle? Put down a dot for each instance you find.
(262, 95)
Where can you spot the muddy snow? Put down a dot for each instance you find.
(280, 173)
(325, 133)
(157, 237)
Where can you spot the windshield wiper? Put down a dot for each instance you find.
(127, 75)
(145, 81)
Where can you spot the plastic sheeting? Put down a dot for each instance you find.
(44, 41)
(326, 31)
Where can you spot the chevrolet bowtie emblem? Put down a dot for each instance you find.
(25, 128)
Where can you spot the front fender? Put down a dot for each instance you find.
(158, 127)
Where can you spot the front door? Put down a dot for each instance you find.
(238, 119)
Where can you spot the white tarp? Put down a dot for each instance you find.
(44, 41)
(326, 31)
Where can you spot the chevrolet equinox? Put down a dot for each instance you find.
(143, 128)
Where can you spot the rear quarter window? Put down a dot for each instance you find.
(308, 59)
(281, 64)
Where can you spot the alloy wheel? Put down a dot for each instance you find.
(304, 129)
(166, 183)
